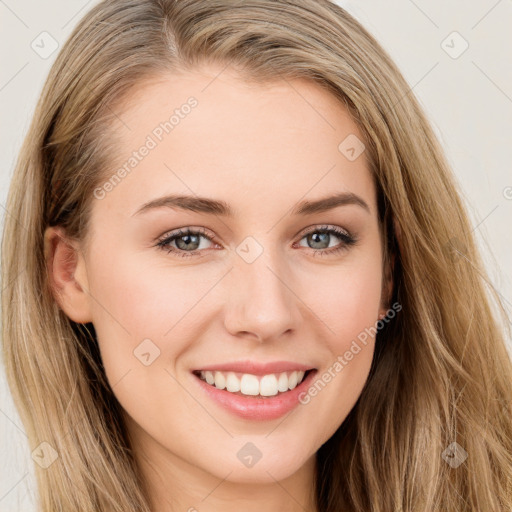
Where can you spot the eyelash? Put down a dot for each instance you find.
(347, 241)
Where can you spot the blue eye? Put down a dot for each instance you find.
(187, 242)
(184, 240)
(321, 235)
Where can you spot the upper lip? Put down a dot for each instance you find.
(256, 368)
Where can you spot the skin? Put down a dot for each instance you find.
(262, 149)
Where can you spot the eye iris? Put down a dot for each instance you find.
(319, 237)
(187, 244)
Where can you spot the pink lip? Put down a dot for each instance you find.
(253, 408)
(255, 368)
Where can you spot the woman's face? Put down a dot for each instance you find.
(265, 284)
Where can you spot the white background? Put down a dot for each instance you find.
(468, 100)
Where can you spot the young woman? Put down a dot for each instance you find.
(240, 276)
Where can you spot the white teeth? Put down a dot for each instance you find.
(220, 380)
(232, 382)
(268, 385)
(248, 384)
(292, 380)
(282, 383)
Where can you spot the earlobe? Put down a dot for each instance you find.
(67, 274)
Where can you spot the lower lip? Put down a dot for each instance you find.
(253, 408)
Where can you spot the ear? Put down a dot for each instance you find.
(67, 274)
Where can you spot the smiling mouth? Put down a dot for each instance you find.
(258, 386)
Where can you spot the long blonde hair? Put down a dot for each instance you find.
(441, 372)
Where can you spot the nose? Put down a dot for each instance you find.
(262, 304)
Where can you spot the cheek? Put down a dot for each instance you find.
(347, 298)
(143, 324)
(133, 303)
(347, 301)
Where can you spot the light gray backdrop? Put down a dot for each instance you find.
(455, 55)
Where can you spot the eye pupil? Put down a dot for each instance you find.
(319, 238)
(190, 239)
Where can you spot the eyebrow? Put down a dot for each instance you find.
(219, 207)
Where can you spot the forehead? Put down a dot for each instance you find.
(212, 133)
